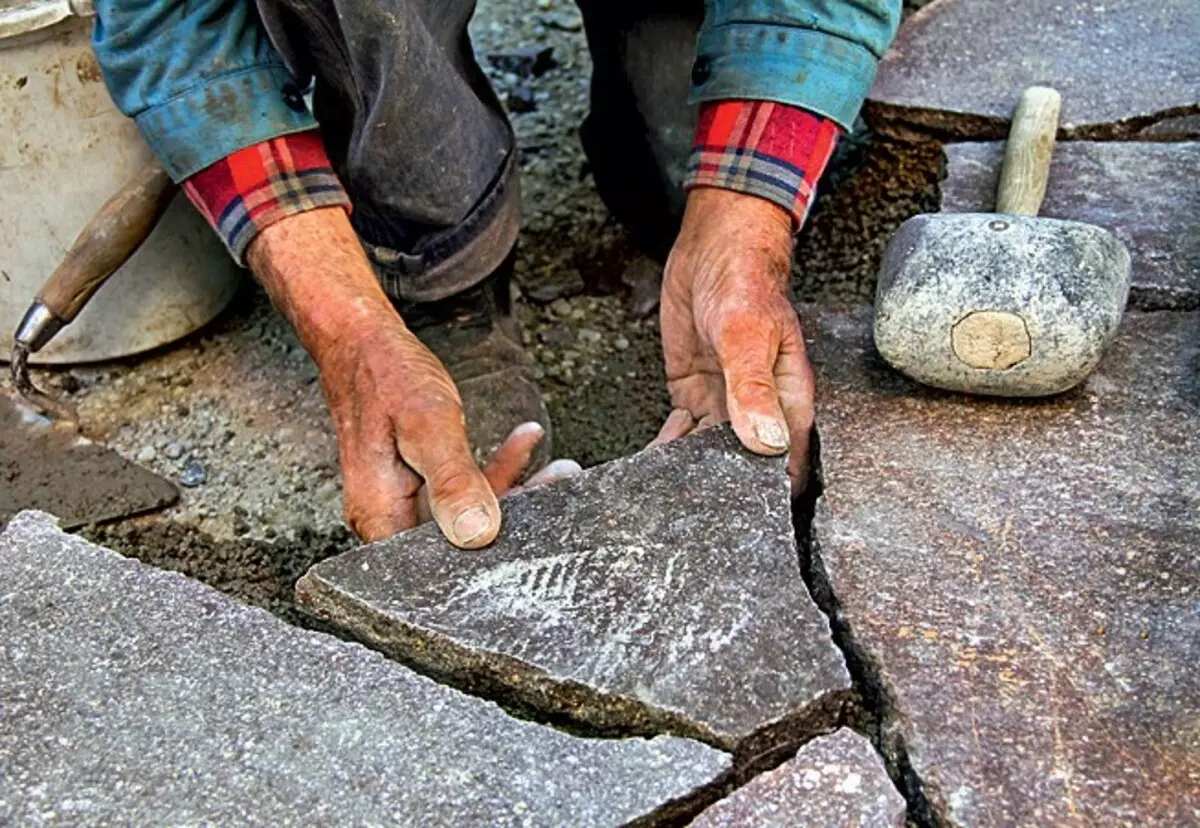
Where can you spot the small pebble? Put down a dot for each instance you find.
(146, 455)
(193, 475)
(173, 450)
(621, 343)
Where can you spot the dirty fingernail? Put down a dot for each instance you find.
(528, 428)
(770, 433)
(472, 523)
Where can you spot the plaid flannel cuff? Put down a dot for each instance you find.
(770, 150)
(257, 186)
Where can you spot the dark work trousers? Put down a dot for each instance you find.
(425, 151)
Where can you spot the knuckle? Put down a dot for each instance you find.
(739, 323)
(427, 411)
(450, 479)
(753, 386)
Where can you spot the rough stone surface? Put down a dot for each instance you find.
(1051, 292)
(1145, 193)
(134, 696)
(958, 66)
(835, 780)
(42, 465)
(1021, 581)
(658, 591)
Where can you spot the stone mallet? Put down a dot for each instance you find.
(1003, 303)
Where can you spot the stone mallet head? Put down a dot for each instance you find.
(1003, 303)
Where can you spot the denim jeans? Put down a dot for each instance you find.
(425, 151)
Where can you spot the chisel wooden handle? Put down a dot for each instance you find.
(1027, 155)
(107, 241)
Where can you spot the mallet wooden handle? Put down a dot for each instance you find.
(1027, 155)
(107, 241)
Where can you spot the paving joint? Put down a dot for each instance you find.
(916, 125)
(874, 712)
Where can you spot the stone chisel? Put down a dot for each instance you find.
(106, 242)
(1003, 303)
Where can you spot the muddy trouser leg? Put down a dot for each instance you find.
(638, 133)
(414, 131)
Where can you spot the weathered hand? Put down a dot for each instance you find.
(403, 441)
(731, 339)
(401, 432)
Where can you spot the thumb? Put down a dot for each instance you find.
(460, 498)
(747, 349)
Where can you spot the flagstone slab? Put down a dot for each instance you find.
(957, 67)
(656, 592)
(1020, 582)
(835, 780)
(134, 696)
(1145, 193)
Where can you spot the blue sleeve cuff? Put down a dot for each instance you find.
(220, 116)
(814, 70)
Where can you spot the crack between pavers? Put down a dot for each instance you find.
(911, 123)
(526, 692)
(759, 752)
(878, 718)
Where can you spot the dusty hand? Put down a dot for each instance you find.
(403, 442)
(401, 432)
(731, 340)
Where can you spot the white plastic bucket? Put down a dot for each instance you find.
(64, 150)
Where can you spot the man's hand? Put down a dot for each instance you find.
(401, 432)
(731, 340)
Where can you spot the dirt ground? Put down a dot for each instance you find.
(235, 412)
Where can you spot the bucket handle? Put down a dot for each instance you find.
(35, 15)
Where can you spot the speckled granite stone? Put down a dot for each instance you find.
(1021, 581)
(958, 66)
(835, 780)
(134, 696)
(1005, 305)
(661, 591)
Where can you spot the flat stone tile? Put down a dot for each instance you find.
(46, 465)
(657, 591)
(1023, 578)
(1146, 193)
(835, 780)
(957, 67)
(134, 696)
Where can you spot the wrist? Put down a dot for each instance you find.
(736, 226)
(760, 216)
(313, 267)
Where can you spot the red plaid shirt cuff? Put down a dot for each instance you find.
(257, 186)
(770, 150)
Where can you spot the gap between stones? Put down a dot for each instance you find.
(525, 693)
(915, 124)
(877, 716)
(231, 569)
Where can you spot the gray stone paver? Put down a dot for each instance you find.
(958, 66)
(1024, 578)
(657, 591)
(835, 780)
(134, 696)
(1143, 192)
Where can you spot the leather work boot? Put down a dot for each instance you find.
(477, 338)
